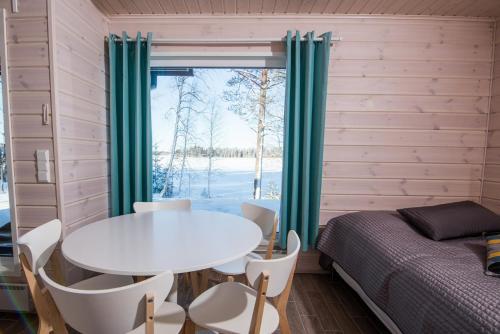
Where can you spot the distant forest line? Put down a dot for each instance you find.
(229, 152)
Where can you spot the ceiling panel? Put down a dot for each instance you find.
(485, 8)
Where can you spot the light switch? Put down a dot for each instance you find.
(43, 166)
(43, 177)
(42, 155)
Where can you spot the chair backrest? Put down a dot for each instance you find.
(261, 216)
(174, 204)
(118, 310)
(279, 269)
(39, 244)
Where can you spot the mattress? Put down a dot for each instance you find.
(423, 286)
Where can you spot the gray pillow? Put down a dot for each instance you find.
(452, 220)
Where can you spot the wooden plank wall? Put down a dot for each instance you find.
(30, 86)
(82, 98)
(408, 102)
(491, 185)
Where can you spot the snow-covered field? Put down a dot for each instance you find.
(231, 183)
(4, 208)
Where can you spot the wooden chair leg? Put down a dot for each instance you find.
(43, 326)
(58, 323)
(195, 285)
(281, 302)
(189, 327)
(258, 310)
(48, 314)
(150, 324)
(284, 325)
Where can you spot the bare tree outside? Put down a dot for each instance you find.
(213, 118)
(250, 92)
(187, 96)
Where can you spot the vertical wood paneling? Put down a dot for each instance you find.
(491, 181)
(82, 110)
(408, 100)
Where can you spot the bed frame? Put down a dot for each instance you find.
(384, 318)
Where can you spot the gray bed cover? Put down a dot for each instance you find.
(424, 286)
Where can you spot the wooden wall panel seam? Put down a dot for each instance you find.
(492, 87)
(51, 14)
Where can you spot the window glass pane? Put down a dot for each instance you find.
(218, 136)
(5, 228)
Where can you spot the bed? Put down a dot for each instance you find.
(414, 284)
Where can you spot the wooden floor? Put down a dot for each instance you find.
(318, 304)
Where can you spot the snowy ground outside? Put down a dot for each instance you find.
(231, 185)
(4, 208)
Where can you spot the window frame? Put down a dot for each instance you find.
(9, 266)
(220, 59)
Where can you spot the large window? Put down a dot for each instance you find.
(218, 135)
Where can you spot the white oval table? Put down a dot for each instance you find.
(146, 244)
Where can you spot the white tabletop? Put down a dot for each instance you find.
(152, 242)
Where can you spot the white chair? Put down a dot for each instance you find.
(175, 204)
(232, 307)
(136, 308)
(36, 248)
(263, 217)
(267, 220)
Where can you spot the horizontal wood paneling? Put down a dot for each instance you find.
(33, 216)
(82, 82)
(27, 30)
(491, 185)
(26, 171)
(408, 103)
(88, 207)
(386, 170)
(446, 155)
(74, 170)
(74, 226)
(393, 120)
(384, 137)
(82, 189)
(85, 150)
(24, 103)
(409, 86)
(403, 187)
(29, 83)
(367, 202)
(407, 107)
(25, 149)
(78, 129)
(29, 79)
(35, 194)
(412, 69)
(28, 54)
(76, 108)
(30, 126)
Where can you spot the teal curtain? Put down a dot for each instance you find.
(305, 104)
(130, 121)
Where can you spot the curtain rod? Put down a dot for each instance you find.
(221, 41)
